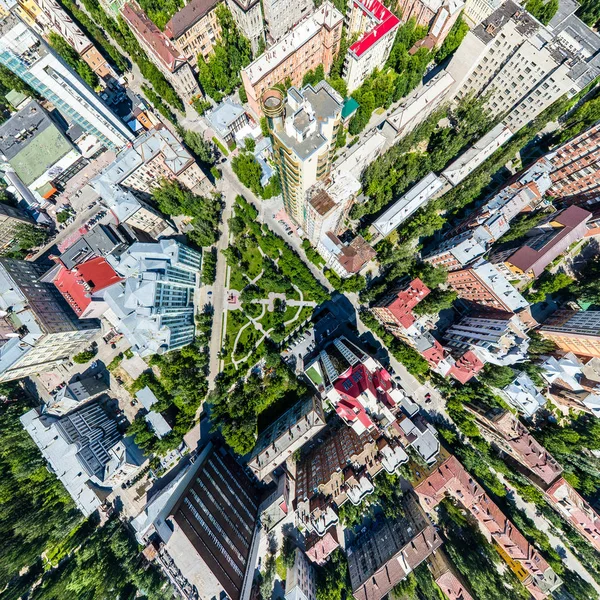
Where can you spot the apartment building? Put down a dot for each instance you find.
(249, 18)
(390, 550)
(312, 43)
(475, 11)
(300, 582)
(553, 239)
(24, 53)
(76, 393)
(283, 16)
(345, 259)
(523, 395)
(376, 27)
(162, 52)
(451, 478)
(153, 305)
(303, 129)
(574, 331)
(447, 577)
(576, 168)
(11, 220)
(285, 435)
(85, 450)
(195, 29)
(522, 65)
(39, 330)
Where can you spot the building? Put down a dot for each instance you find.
(476, 11)
(76, 393)
(450, 477)
(417, 197)
(153, 307)
(282, 16)
(38, 329)
(355, 160)
(158, 424)
(249, 18)
(303, 130)
(576, 168)
(227, 118)
(523, 395)
(312, 43)
(195, 29)
(494, 336)
(438, 16)
(39, 152)
(574, 331)
(171, 61)
(376, 27)
(345, 259)
(555, 238)
(391, 549)
(318, 548)
(30, 58)
(300, 582)
(85, 450)
(447, 577)
(11, 220)
(286, 435)
(523, 65)
(205, 524)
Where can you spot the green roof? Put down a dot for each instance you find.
(41, 153)
(15, 98)
(314, 375)
(350, 106)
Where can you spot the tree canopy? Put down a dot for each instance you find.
(70, 56)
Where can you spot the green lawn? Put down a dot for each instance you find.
(235, 321)
(237, 281)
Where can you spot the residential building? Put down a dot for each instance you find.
(85, 450)
(390, 550)
(227, 118)
(153, 307)
(205, 523)
(514, 440)
(283, 16)
(30, 58)
(318, 548)
(38, 328)
(574, 331)
(553, 239)
(314, 42)
(195, 29)
(376, 27)
(476, 11)
(420, 435)
(447, 577)
(345, 259)
(523, 395)
(300, 583)
(48, 15)
(249, 18)
(576, 168)
(438, 16)
(76, 393)
(303, 130)
(355, 160)
(286, 435)
(522, 65)
(161, 51)
(494, 336)
(158, 424)
(450, 477)
(482, 283)
(40, 153)
(418, 196)
(11, 220)
(576, 511)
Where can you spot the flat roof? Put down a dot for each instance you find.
(188, 16)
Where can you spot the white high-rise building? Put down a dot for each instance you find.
(282, 15)
(30, 58)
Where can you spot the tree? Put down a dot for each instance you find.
(589, 12)
(497, 376)
(73, 59)
(248, 171)
(587, 287)
(203, 150)
(249, 144)
(84, 356)
(209, 268)
(542, 11)
(313, 77)
(435, 302)
(242, 94)
(549, 283)
(453, 40)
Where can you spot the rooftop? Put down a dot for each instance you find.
(222, 116)
(188, 16)
(386, 22)
(405, 301)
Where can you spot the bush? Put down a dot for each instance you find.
(209, 268)
(84, 356)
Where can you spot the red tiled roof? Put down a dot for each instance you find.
(78, 284)
(434, 354)
(402, 306)
(387, 21)
(452, 587)
(466, 367)
(318, 548)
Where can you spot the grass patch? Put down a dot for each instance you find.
(237, 281)
(222, 148)
(235, 321)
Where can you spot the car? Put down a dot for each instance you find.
(290, 232)
(209, 293)
(427, 396)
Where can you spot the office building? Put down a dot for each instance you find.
(85, 450)
(537, 252)
(300, 582)
(376, 27)
(313, 43)
(576, 168)
(153, 307)
(11, 220)
(31, 59)
(286, 435)
(38, 329)
(161, 51)
(283, 16)
(195, 29)
(303, 129)
(390, 550)
(249, 18)
(451, 478)
(523, 65)
(574, 331)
